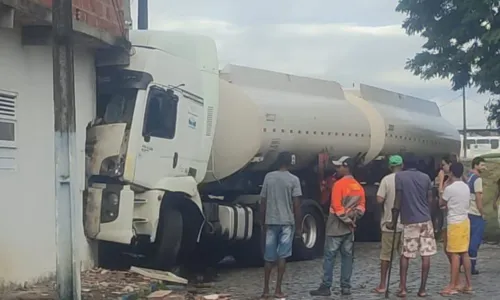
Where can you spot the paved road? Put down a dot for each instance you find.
(304, 276)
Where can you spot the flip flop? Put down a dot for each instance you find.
(422, 294)
(279, 296)
(448, 292)
(378, 291)
(467, 290)
(265, 296)
(401, 294)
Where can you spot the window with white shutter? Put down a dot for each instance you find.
(8, 119)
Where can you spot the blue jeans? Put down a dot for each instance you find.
(279, 241)
(334, 244)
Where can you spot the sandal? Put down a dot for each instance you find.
(401, 294)
(378, 290)
(467, 290)
(422, 294)
(448, 292)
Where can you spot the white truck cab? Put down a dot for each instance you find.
(152, 137)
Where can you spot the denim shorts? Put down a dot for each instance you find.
(279, 241)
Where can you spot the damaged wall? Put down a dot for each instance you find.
(107, 15)
(27, 217)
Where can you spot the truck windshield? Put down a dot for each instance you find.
(117, 107)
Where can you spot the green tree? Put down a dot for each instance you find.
(462, 44)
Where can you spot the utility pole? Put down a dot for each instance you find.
(142, 18)
(67, 260)
(464, 113)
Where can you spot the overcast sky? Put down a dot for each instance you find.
(347, 41)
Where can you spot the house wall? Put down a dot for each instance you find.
(27, 171)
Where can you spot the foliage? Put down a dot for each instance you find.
(462, 44)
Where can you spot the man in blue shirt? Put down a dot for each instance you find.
(413, 201)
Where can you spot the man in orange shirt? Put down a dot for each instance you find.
(347, 205)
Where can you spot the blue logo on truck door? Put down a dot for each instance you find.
(192, 122)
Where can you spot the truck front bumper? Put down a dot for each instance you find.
(109, 213)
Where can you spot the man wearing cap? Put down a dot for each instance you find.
(386, 195)
(414, 196)
(347, 205)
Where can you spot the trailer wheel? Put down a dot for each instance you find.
(310, 245)
(169, 239)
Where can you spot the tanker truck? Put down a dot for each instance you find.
(178, 150)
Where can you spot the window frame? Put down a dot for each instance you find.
(496, 142)
(152, 91)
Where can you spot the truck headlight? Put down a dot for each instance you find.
(110, 207)
(112, 166)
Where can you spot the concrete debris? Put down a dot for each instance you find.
(101, 284)
(160, 275)
(169, 295)
(106, 284)
(214, 297)
(159, 294)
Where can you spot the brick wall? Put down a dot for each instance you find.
(102, 14)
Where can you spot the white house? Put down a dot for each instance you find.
(27, 170)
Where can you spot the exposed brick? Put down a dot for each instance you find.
(110, 13)
(96, 8)
(46, 3)
(92, 20)
(103, 14)
(85, 4)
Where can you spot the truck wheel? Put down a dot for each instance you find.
(311, 244)
(169, 239)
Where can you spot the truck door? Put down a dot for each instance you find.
(164, 152)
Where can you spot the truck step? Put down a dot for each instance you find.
(140, 220)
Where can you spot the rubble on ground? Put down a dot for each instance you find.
(137, 283)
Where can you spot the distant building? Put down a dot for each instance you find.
(480, 142)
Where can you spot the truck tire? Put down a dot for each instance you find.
(169, 239)
(310, 246)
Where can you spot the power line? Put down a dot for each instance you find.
(457, 97)
(450, 101)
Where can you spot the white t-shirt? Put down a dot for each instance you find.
(387, 190)
(457, 196)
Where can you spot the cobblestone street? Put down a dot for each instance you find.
(304, 276)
